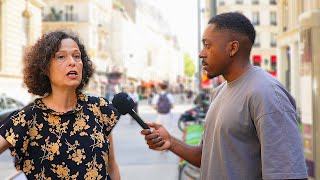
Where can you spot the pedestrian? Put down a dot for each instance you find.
(251, 129)
(135, 97)
(163, 103)
(63, 134)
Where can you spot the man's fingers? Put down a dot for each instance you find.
(160, 143)
(146, 131)
(154, 125)
(151, 136)
(156, 140)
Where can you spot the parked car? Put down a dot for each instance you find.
(8, 105)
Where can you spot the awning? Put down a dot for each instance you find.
(256, 58)
(273, 73)
(273, 59)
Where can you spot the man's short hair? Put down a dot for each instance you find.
(234, 22)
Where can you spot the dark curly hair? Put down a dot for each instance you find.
(37, 61)
(235, 23)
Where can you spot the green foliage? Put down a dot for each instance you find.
(189, 67)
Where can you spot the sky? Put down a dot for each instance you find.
(182, 17)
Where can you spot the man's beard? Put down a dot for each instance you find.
(211, 76)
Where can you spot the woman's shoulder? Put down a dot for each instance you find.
(96, 100)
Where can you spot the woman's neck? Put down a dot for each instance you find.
(61, 101)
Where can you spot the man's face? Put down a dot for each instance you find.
(215, 54)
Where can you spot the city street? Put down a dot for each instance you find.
(135, 159)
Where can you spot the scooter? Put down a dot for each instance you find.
(191, 115)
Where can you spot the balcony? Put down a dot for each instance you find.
(273, 44)
(256, 23)
(273, 23)
(62, 16)
(256, 44)
(273, 2)
(255, 2)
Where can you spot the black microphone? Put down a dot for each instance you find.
(124, 104)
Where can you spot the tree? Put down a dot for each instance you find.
(189, 67)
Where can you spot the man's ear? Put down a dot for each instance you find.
(234, 47)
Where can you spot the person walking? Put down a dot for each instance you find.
(251, 128)
(135, 97)
(163, 103)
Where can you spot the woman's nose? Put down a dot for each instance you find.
(71, 61)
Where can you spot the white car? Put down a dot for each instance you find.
(8, 105)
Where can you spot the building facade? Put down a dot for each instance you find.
(263, 15)
(90, 20)
(298, 69)
(20, 27)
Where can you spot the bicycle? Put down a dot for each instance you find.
(192, 135)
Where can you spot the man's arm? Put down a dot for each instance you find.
(4, 144)
(160, 139)
(190, 153)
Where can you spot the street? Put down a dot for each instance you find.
(136, 161)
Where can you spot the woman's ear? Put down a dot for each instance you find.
(234, 47)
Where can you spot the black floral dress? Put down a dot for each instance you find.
(72, 145)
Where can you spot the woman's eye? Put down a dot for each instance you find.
(77, 57)
(60, 57)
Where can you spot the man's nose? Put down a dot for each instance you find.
(201, 54)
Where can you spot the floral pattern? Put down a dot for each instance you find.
(54, 145)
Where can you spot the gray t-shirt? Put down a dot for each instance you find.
(251, 131)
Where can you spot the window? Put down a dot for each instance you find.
(273, 63)
(221, 2)
(149, 59)
(273, 41)
(273, 2)
(257, 40)
(239, 1)
(255, 1)
(256, 60)
(273, 18)
(1, 25)
(255, 18)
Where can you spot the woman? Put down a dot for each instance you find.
(65, 134)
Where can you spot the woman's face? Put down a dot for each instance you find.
(65, 69)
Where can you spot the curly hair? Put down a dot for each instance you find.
(234, 22)
(37, 61)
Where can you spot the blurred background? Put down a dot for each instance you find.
(141, 43)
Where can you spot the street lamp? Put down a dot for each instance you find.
(199, 44)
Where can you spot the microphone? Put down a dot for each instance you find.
(124, 104)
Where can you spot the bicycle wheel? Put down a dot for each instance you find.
(181, 125)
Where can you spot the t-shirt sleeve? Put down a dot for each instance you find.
(110, 115)
(14, 129)
(281, 146)
(277, 128)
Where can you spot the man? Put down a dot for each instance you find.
(251, 129)
(163, 103)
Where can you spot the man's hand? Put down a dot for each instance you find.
(158, 138)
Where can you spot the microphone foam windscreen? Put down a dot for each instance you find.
(123, 103)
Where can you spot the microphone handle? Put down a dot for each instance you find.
(138, 119)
